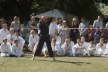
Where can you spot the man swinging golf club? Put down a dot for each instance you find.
(44, 37)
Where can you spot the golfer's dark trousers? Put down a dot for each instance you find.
(42, 40)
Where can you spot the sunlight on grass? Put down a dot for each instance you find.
(63, 64)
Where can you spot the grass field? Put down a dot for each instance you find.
(63, 64)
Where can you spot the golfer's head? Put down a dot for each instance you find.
(43, 18)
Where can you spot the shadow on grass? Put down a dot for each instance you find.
(63, 61)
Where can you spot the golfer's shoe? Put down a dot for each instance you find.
(54, 59)
(33, 57)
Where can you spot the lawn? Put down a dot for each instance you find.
(63, 64)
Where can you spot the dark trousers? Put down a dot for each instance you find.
(43, 39)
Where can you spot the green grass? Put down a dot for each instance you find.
(63, 64)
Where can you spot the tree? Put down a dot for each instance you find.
(85, 8)
(23, 8)
(10, 8)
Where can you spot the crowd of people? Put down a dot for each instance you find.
(78, 37)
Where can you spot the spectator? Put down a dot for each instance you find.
(3, 32)
(5, 48)
(98, 22)
(100, 48)
(16, 49)
(15, 23)
(53, 28)
(33, 40)
(74, 33)
(82, 27)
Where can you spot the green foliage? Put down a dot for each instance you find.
(85, 8)
(24, 8)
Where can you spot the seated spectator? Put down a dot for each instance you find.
(20, 39)
(81, 47)
(58, 43)
(67, 47)
(11, 36)
(5, 49)
(92, 48)
(16, 49)
(100, 48)
(33, 40)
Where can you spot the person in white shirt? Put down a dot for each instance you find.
(53, 28)
(77, 48)
(33, 40)
(92, 48)
(20, 39)
(16, 49)
(81, 47)
(100, 48)
(84, 46)
(3, 32)
(5, 49)
(11, 36)
(66, 46)
(58, 43)
(64, 31)
(45, 50)
(98, 22)
(82, 27)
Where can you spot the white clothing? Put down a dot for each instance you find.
(11, 38)
(53, 28)
(5, 49)
(21, 42)
(81, 48)
(68, 48)
(92, 49)
(100, 49)
(16, 50)
(3, 35)
(33, 40)
(58, 49)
